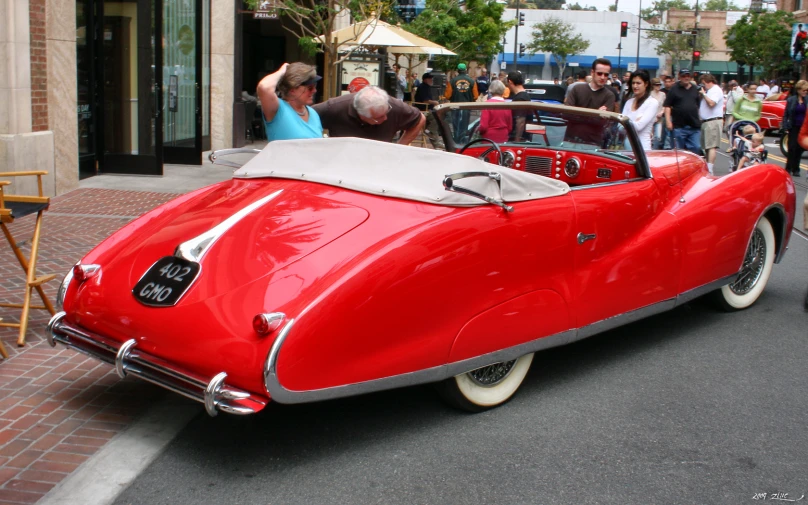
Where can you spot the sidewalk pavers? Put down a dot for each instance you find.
(59, 407)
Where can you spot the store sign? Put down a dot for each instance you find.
(267, 9)
(734, 16)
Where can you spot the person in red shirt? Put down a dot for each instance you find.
(496, 125)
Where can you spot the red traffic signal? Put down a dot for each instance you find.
(696, 56)
(624, 28)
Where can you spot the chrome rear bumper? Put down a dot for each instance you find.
(213, 392)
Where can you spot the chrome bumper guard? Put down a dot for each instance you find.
(126, 359)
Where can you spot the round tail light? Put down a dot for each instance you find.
(264, 324)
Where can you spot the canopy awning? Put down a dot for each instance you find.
(535, 59)
(376, 33)
(645, 62)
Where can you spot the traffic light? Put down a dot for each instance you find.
(624, 28)
(521, 50)
(521, 19)
(696, 56)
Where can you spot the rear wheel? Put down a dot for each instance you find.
(784, 144)
(755, 272)
(485, 387)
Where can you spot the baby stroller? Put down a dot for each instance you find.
(737, 144)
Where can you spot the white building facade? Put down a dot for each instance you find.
(601, 29)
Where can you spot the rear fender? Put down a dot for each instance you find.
(516, 321)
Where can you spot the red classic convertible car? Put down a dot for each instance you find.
(340, 266)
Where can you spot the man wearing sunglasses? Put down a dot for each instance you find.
(595, 95)
(370, 114)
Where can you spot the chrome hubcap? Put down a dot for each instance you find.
(752, 265)
(491, 375)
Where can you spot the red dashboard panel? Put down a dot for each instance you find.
(592, 169)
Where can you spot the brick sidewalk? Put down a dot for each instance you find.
(58, 407)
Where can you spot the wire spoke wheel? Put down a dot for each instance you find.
(485, 387)
(753, 264)
(754, 271)
(491, 375)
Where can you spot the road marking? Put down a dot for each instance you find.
(100, 479)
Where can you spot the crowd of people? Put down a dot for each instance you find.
(686, 113)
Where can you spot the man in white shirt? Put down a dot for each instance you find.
(775, 89)
(711, 110)
(763, 89)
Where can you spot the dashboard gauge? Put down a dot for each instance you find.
(572, 168)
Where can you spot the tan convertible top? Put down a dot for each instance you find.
(393, 170)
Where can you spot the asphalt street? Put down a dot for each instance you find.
(691, 406)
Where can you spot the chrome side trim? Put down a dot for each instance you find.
(214, 393)
(625, 318)
(195, 249)
(703, 290)
(280, 394)
(60, 294)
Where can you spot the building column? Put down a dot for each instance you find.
(20, 148)
(60, 35)
(222, 83)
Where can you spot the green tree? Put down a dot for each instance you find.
(679, 47)
(721, 5)
(474, 33)
(578, 7)
(762, 40)
(661, 6)
(308, 19)
(558, 38)
(551, 5)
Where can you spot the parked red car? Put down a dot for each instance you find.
(340, 266)
(771, 116)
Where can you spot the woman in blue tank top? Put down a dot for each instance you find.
(289, 116)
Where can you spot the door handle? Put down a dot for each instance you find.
(583, 237)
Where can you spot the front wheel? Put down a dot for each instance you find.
(784, 144)
(755, 271)
(486, 387)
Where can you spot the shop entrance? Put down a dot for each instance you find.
(138, 106)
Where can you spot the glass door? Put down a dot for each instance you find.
(129, 100)
(186, 77)
(87, 90)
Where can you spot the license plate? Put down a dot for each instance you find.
(166, 281)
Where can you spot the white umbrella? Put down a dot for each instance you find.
(377, 33)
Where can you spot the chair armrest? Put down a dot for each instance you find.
(24, 173)
(5, 183)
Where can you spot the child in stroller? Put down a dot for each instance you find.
(747, 145)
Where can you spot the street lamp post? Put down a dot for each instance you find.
(516, 36)
(639, 32)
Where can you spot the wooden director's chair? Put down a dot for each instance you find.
(14, 207)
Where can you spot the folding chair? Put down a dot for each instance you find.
(13, 207)
(3, 351)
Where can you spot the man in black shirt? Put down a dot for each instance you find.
(682, 113)
(425, 102)
(516, 85)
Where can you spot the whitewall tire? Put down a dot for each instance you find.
(485, 387)
(755, 271)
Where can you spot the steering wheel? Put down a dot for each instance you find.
(494, 147)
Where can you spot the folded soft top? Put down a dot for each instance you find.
(393, 170)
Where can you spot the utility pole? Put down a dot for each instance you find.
(516, 36)
(695, 37)
(639, 32)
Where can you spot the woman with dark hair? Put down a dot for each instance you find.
(642, 108)
(793, 118)
(289, 116)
